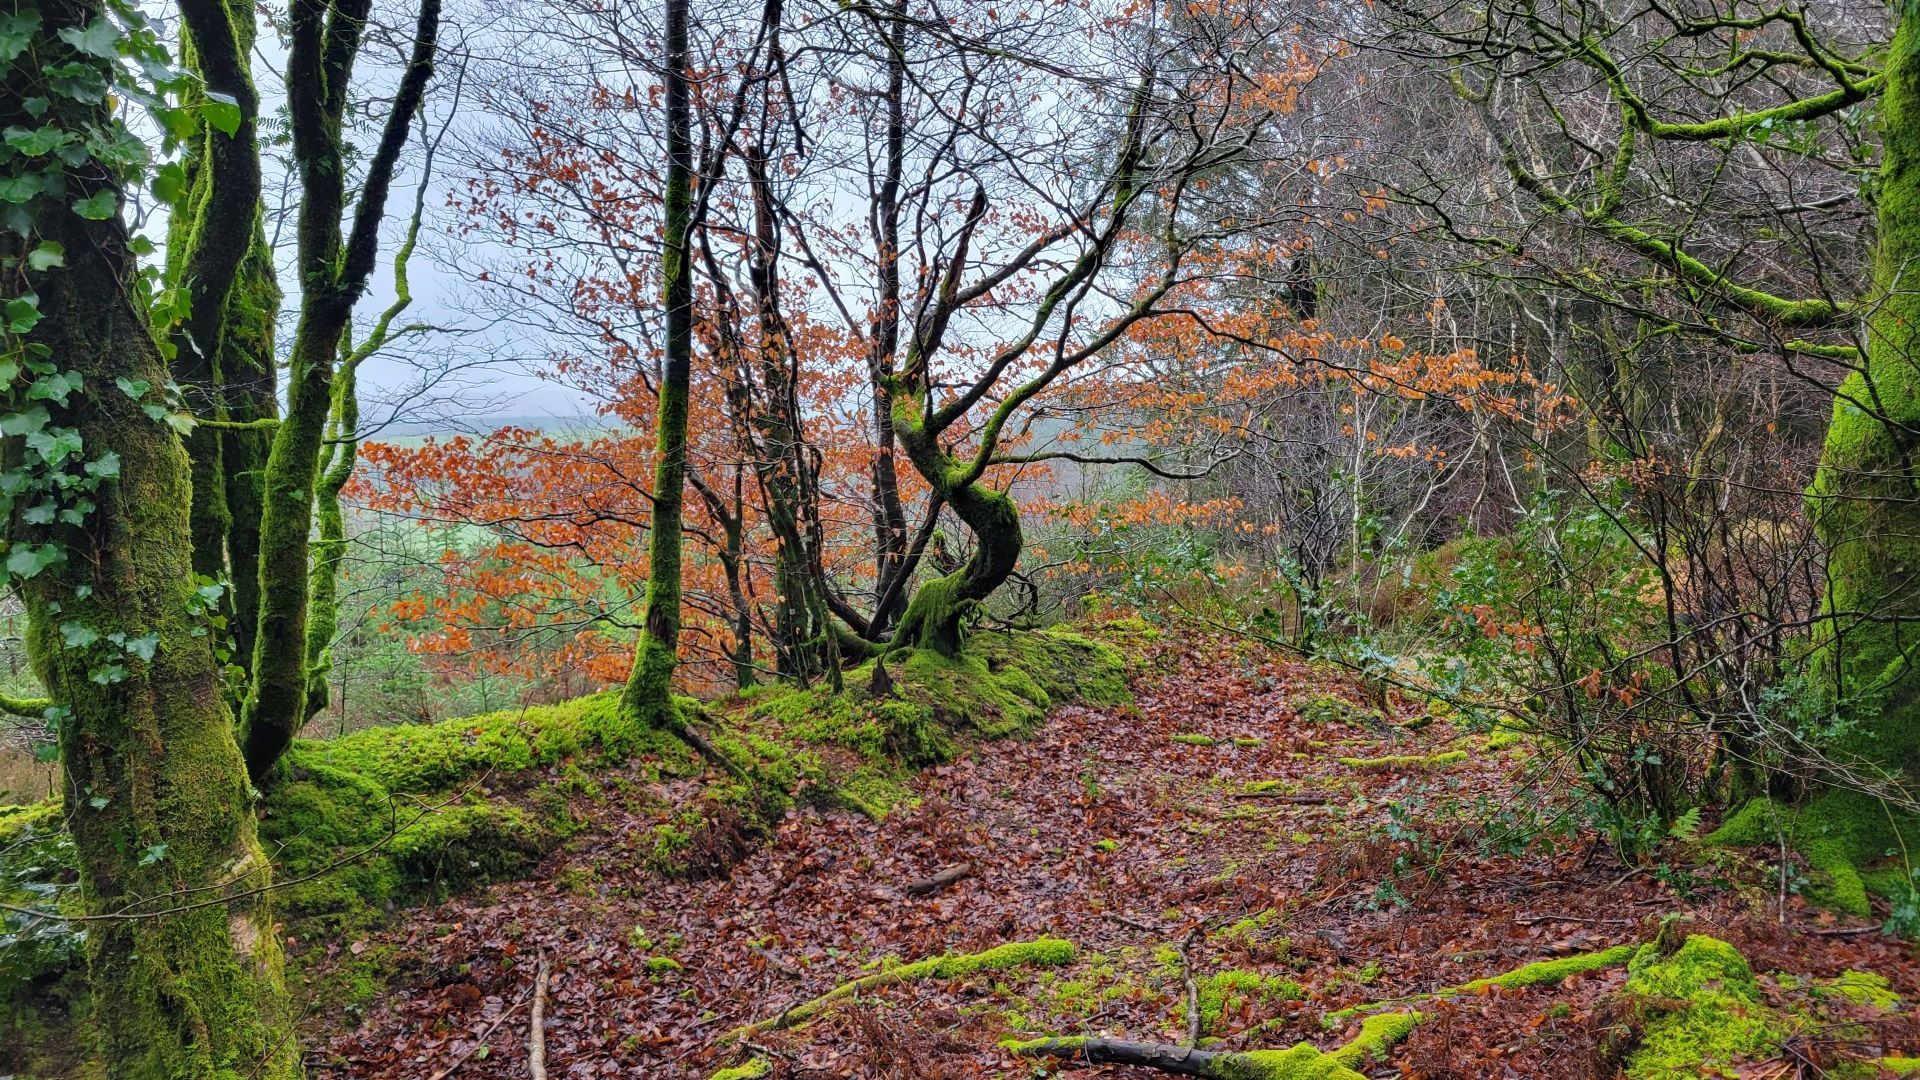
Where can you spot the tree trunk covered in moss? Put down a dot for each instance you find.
(1865, 500)
(156, 793)
(247, 370)
(330, 546)
(787, 468)
(209, 237)
(935, 615)
(648, 698)
(334, 267)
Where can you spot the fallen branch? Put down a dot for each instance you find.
(939, 881)
(1377, 1034)
(536, 1029)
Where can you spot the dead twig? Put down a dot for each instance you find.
(1192, 986)
(536, 1027)
(481, 1040)
(1143, 927)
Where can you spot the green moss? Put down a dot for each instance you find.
(1554, 972)
(433, 757)
(999, 685)
(1900, 1066)
(1842, 834)
(662, 965)
(1701, 1008)
(753, 1069)
(1109, 844)
(1406, 761)
(1332, 709)
(1541, 973)
(1042, 952)
(1859, 988)
(1193, 739)
(1228, 992)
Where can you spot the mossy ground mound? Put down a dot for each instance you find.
(1853, 841)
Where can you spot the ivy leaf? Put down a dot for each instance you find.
(27, 560)
(133, 388)
(54, 445)
(105, 467)
(21, 189)
(23, 313)
(97, 38)
(40, 514)
(153, 854)
(98, 206)
(34, 142)
(78, 635)
(99, 802)
(55, 387)
(143, 646)
(16, 32)
(46, 752)
(223, 112)
(108, 674)
(46, 256)
(20, 423)
(180, 422)
(170, 183)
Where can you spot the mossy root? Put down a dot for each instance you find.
(1041, 952)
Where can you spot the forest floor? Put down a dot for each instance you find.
(1286, 883)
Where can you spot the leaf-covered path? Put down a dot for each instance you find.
(1210, 830)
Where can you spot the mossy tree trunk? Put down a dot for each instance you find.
(247, 370)
(787, 467)
(935, 616)
(334, 266)
(1865, 499)
(648, 697)
(183, 957)
(209, 239)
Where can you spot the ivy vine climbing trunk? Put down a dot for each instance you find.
(184, 960)
(1865, 499)
(648, 698)
(334, 265)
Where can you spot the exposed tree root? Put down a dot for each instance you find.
(1539, 973)
(1045, 951)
